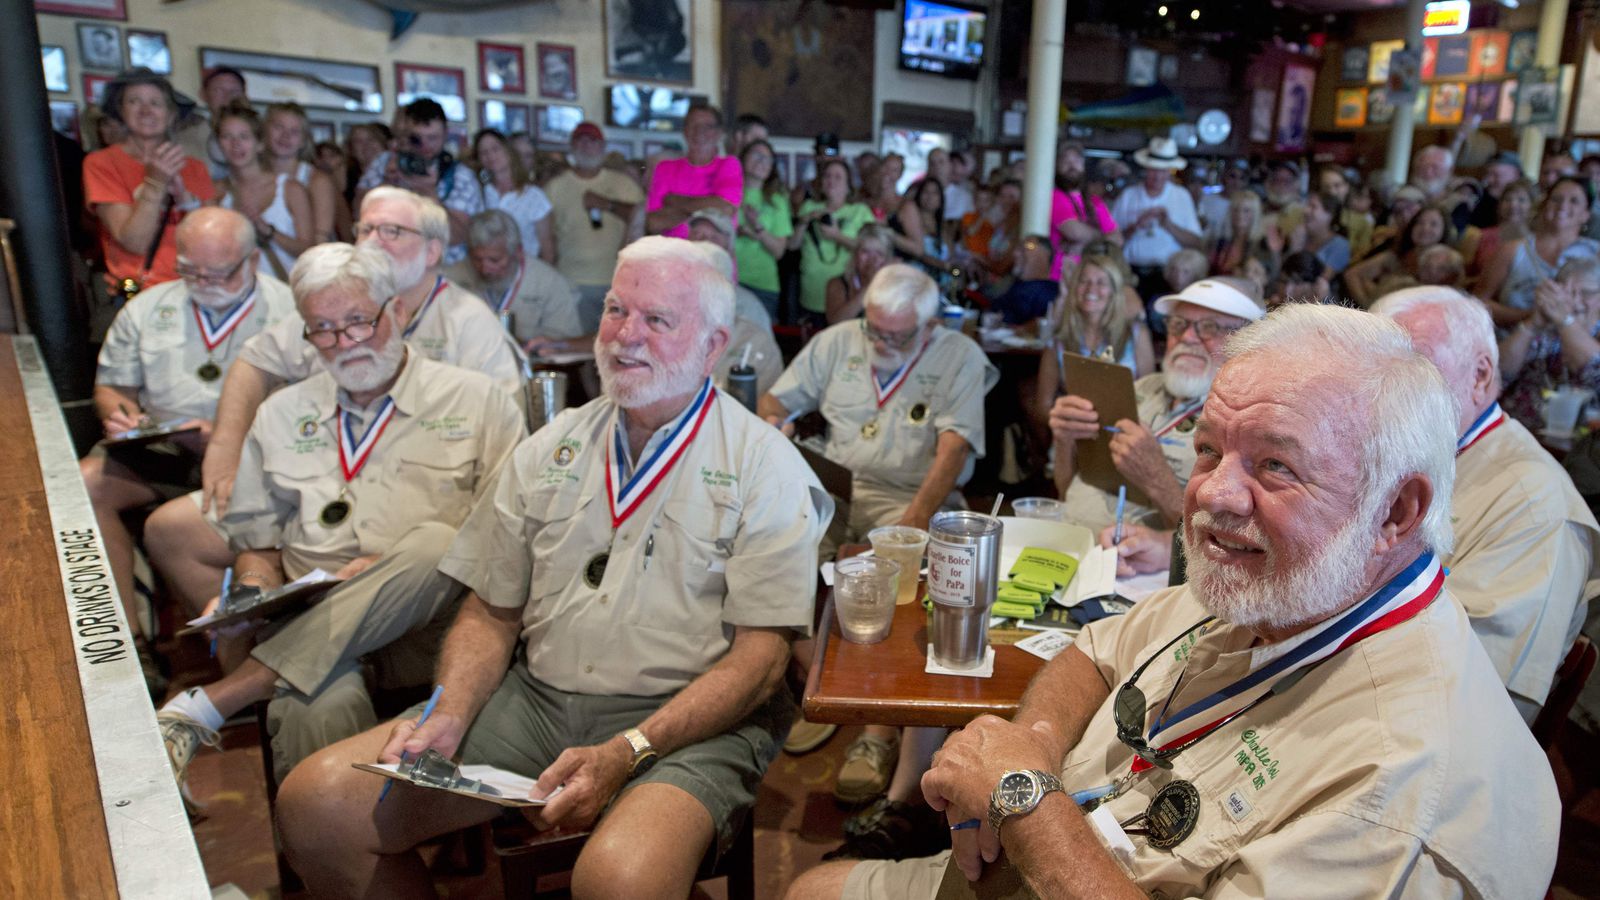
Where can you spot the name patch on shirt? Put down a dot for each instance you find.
(1256, 759)
(718, 478)
(1236, 806)
(447, 427)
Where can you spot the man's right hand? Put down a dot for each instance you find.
(119, 422)
(1073, 418)
(442, 732)
(786, 427)
(1142, 551)
(217, 471)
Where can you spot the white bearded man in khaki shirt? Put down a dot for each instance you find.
(1310, 716)
(652, 553)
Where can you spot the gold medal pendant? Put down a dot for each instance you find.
(870, 430)
(335, 512)
(209, 371)
(918, 414)
(595, 570)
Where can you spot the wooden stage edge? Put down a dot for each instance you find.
(92, 809)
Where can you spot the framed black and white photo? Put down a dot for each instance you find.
(149, 49)
(649, 39)
(312, 83)
(506, 118)
(87, 9)
(502, 68)
(55, 68)
(558, 71)
(446, 86)
(323, 131)
(100, 46)
(64, 118)
(554, 123)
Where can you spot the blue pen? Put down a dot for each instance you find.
(792, 417)
(222, 603)
(1122, 504)
(426, 712)
(963, 826)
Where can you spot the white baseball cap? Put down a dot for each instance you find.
(1229, 296)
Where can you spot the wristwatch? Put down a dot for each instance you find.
(644, 755)
(1018, 793)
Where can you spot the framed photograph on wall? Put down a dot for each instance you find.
(506, 118)
(149, 49)
(558, 71)
(1350, 108)
(649, 39)
(94, 87)
(87, 9)
(64, 118)
(1294, 108)
(554, 123)
(1538, 97)
(1353, 64)
(1378, 60)
(1447, 103)
(312, 83)
(1520, 50)
(502, 68)
(54, 59)
(1261, 102)
(100, 46)
(1483, 100)
(1380, 111)
(446, 86)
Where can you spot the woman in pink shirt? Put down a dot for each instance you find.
(700, 180)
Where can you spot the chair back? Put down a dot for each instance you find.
(1570, 678)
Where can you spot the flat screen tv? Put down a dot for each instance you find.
(942, 38)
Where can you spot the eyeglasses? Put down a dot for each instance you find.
(895, 341)
(196, 275)
(388, 231)
(359, 332)
(1207, 330)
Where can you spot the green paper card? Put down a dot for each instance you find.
(1043, 567)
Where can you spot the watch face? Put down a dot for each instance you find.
(644, 764)
(1017, 790)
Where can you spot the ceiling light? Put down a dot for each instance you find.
(1194, 14)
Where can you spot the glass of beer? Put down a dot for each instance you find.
(863, 596)
(904, 545)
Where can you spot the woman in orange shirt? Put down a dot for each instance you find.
(140, 189)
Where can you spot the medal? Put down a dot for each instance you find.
(209, 371)
(870, 430)
(1183, 419)
(626, 488)
(335, 512)
(212, 335)
(1171, 816)
(595, 569)
(918, 413)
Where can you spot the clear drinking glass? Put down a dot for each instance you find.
(904, 545)
(863, 595)
(1039, 508)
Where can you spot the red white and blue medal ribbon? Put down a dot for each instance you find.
(438, 288)
(213, 335)
(511, 292)
(886, 388)
(353, 452)
(627, 489)
(1405, 595)
(1183, 415)
(1492, 418)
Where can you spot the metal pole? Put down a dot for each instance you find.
(1547, 55)
(1397, 162)
(1044, 104)
(30, 193)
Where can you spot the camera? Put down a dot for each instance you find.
(417, 165)
(825, 219)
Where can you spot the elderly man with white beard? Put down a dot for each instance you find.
(445, 324)
(364, 470)
(653, 553)
(1155, 453)
(1310, 716)
(163, 359)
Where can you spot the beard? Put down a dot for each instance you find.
(1432, 188)
(1184, 385)
(363, 368)
(407, 272)
(217, 300)
(888, 362)
(658, 380)
(1290, 594)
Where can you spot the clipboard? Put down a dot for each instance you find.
(836, 479)
(434, 771)
(1000, 881)
(247, 603)
(1109, 387)
(139, 437)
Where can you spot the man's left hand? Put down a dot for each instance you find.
(1137, 454)
(356, 566)
(966, 771)
(591, 777)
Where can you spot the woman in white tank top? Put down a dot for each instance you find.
(277, 205)
(288, 146)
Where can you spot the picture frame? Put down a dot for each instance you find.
(558, 71)
(1380, 109)
(553, 123)
(1261, 103)
(1521, 51)
(445, 85)
(1353, 64)
(1489, 50)
(649, 40)
(1455, 58)
(1483, 100)
(85, 9)
(312, 83)
(1447, 103)
(64, 119)
(504, 116)
(1294, 108)
(1508, 101)
(1143, 64)
(94, 87)
(1350, 108)
(53, 58)
(100, 46)
(1538, 97)
(1378, 60)
(783, 164)
(149, 49)
(502, 68)
(323, 131)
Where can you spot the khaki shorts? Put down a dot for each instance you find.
(907, 879)
(526, 724)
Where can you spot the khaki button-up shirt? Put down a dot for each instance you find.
(727, 538)
(545, 305)
(457, 328)
(1397, 768)
(1524, 556)
(155, 345)
(1093, 508)
(450, 432)
(943, 392)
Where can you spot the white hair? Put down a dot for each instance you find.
(711, 284)
(1469, 329)
(898, 287)
(493, 225)
(1580, 269)
(341, 265)
(1410, 412)
(242, 234)
(1450, 157)
(432, 220)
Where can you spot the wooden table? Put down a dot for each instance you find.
(884, 683)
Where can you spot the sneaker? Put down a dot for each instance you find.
(805, 736)
(182, 737)
(868, 763)
(891, 829)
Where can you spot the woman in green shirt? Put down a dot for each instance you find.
(765, 224)
(826, 236)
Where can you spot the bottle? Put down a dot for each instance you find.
(742, 385)
(595, 216)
